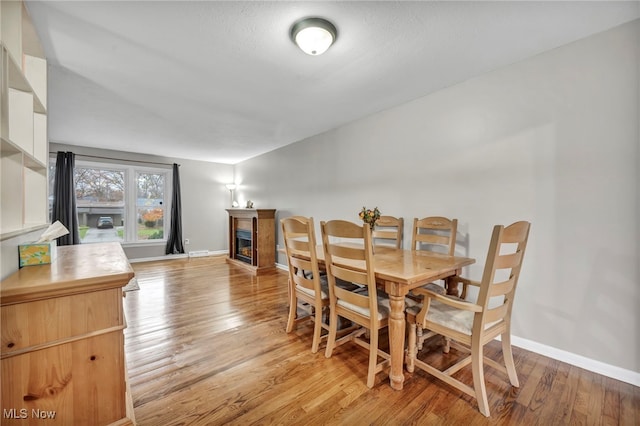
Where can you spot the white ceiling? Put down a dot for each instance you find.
(221, 81)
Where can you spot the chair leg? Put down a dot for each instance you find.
(373, 358)
(508, 359)
(293, 308)
(447, 344)
(411, 348)
(333, 329)
(317, 330)
(478, 378)
(420, 339)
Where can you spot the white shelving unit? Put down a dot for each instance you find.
(24, 145)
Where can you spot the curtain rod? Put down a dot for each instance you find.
(118, 159)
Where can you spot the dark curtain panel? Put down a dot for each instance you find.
(64, 198)
(174, 242)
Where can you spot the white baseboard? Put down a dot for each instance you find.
(178, 256)
(627, 376)
(166, 257)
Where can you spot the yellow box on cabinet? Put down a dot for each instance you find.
(37, 253)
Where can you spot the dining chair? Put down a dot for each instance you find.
(389, 229)
(472, 325)
(354, 263)
(305, 281)
(435, 234)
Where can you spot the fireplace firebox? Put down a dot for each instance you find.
(244, 250)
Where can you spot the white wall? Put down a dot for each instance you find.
(204, 198)
(553, 140)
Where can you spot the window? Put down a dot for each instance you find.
(150, 206)
(119, 203)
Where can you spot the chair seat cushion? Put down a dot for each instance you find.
(383, 300)
(438, 289)
(408, 301)
(347, 285)
(383, 308)
(455, 319)
(448, 316)
(435, 288)
(324, 291)
(324, 287)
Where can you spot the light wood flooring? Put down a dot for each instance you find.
(206, 345)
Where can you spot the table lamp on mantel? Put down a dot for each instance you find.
(231, 187)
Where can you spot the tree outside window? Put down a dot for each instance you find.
(150, 206)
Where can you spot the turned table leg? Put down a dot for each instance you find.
(396, 341)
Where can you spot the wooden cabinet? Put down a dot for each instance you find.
(62, 353)
(252, 242)
(24, 146)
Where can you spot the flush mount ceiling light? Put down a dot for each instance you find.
(313, 35)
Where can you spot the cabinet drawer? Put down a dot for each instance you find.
(54, 321)
(78, 383)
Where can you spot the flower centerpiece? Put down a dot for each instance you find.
(370, 216)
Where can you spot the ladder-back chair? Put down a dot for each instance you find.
(388, 231)
(305, 283)
(472, 325)
(363, 307)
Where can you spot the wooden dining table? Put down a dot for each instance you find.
(397, 271)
